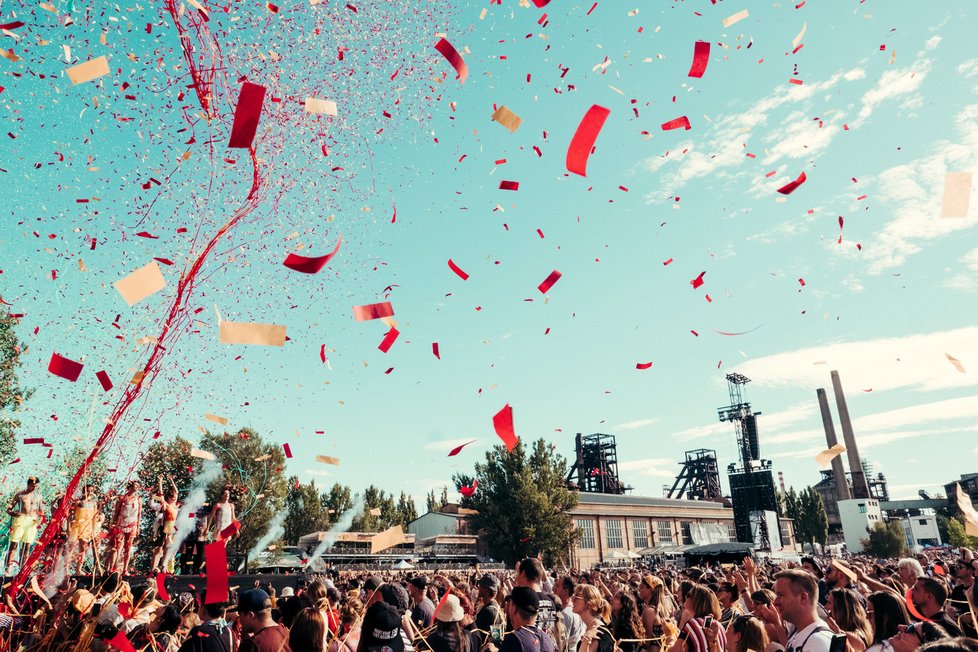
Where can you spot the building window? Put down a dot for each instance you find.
(586, 527)
(665, 533)
(613, 530)
(687, 532)
(640, 530)
(731, 531)
(862, 508)
(923, 521)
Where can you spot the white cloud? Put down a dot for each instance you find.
(319, 473)
(932, 42)
(698, 432)
(800, 136)
(893, 83)
(968, 69)
(970, 259)
(883, 364)
(963, 282)
(635, 425)
(916, 189)
(854, 74)
(853, 284)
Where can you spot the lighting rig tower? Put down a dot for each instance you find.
(751, 481)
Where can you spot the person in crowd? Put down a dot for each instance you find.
(929, 595)
(657, 612)
(699, 611)
(490, 615)
(572, 624)
(796, 597)
(743, 634)
(964, 579)
(351, 613)
(809, 564)
(595, 612)
(728, 595)
(308, 633)
(911, 637)
(213, 634)
(887, 613)
(522, 609)
(381, 629)
(161, 634)
(626, 623)
(530, 573)
(449, 634)
(423, 611)
(260, 633)
(847, 616)
(908, 570)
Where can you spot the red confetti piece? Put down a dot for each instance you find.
(790, 187)
(668, 262)
(591, 9)
(246, 115)
(322, 353)
(288, 451)
(453, 57)
(388, 340)
(64, 367)
(509, 185)
(104, 379)
(434, 350)
(120, 642)
(216, 558)
(540, 233)
(33, 440)
(389, 370)
(146, 234)
(583, 141)
(165, 261)
(701, 57)
(469, 491)
(728, 334)
(458, 449)
(676, 123)
(503, 424)
(541, 3)
(230, 530)
(312, 265)
(643, 365)
(698, 281)
(458, 270)
(802, 282)
(549, 282)
(796, 81)
(373, 311)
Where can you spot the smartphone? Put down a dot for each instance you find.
(496, 634)
(708, 622)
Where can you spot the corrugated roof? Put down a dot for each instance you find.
(585, 498)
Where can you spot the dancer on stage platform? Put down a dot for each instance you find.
(223, 514)
(124, 527)
(85, 524)
(168, 512)
(27, 512)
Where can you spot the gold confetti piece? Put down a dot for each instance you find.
(507, 118)
(216, 419)
(957, 363)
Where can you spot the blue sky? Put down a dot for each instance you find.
(887, 105)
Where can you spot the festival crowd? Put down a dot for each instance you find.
(861, 604)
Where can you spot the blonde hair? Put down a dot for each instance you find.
(704, 602)
(594, 601)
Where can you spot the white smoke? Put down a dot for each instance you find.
(275, 530)
(342, 525)
(57, 575)
(185, 524)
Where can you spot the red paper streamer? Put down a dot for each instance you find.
(453, 57)
(65, 368)
(509, 185)
(583, 141)
(698, 281)
(246, 115)
(288, 451)
(120, 642)
(373, 311)
(216, 557)
(434, 349)
(312, 265)
(503, 423)
(33, 440)
(104, 379)
(230, 530)
(549, 281)
(701, 57)
(161, 587)
(388, 340)
(322, 353)
(790, 187)
(458, 449)
(468, 491)
(643, 365)
(681, 121)
(458, 270)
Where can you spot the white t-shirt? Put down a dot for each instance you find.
(817, 637)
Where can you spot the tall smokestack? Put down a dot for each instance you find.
(838, 472)
(859, 487)
(781, 482)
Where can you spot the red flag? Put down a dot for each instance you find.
(216, 557)
(503, 423)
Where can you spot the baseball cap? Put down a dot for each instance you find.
(490, 582)
(525, 599)
(253, 600)
(382, 629)
(396, 596)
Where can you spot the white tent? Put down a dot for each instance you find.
(403, 565)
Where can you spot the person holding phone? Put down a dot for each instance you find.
(700, 604)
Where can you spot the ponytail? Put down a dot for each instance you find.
(605, 611)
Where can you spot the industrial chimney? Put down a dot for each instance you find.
(859, 487)
(838, 471)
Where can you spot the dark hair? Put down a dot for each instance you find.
(216, 609)
(889, 612)
(848, 612)
(818, 569)
(568, 583)
(730, 588)
(928, 632)
(627, 624)
(308, 631)
(935, 587)
(959, 644)
(170, 618)
(532, 568)
(704, 602)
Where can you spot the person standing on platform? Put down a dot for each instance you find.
(27, 512)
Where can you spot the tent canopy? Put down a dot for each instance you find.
(403, 565)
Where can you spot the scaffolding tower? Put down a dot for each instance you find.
(699, 478)
(595, 468)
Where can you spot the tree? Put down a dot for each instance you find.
(523, 503)
(885, 540)
(376, 500)
(253, 470)
(305, 511)
(406, 510)
(957, 537)
(337, 500)
(808, 512)
(12, 396)
(434, 503)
